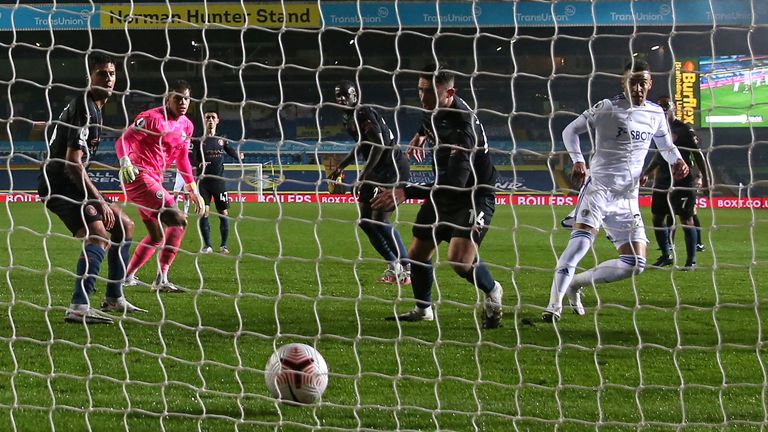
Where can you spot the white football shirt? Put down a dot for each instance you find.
(623, 135)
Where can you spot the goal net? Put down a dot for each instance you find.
(664, 350)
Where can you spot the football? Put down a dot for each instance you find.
(296, 373)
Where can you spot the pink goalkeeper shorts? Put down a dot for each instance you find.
(149, 195)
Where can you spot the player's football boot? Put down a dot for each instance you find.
(395, 274)
(88, 316)
(492, 307)
(161, 284)
(700, 247)
(224, 250)
(689, 266)
(551, 314)
(166, 286)
(389, 276)
(131, 281)
(120, 305)
(415, 314)
(206, 250)
(404, 277)
(664, 261)
(574, 300)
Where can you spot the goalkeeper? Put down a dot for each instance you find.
(67, 190)
(157, 138)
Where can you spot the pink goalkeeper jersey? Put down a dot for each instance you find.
(154, 142)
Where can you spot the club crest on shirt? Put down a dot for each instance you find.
(220, 142)
(159, 194)
(183, 136)
(139, 122)
(585, 213)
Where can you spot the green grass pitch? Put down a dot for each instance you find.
(670, 348)
(723, 101)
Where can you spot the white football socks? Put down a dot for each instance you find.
(578, 246)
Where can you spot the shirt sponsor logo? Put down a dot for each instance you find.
(642, 136)
(159, 194)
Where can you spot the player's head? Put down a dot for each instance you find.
(436, 87)
(211, 118)
(103, 75)
(177, 100)
(346, 93)
(665, 102)
(637, 81)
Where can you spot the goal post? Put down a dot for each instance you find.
(249, 178)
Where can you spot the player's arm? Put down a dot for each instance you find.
(699, 159)
(651, 169)
(135, 134)
(373, 134)
(184, 167)
(668, 150)
(459, 167)
(232, 152)
(336, 173)
(195, 157)
(416, 146)
(77, 140)
(573, 145)
(79, 176)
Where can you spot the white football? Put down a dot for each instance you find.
(296, 373)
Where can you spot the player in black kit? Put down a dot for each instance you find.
(461, 201)
(385, 166)
(681, 200)
(208, 156)
(66, 189)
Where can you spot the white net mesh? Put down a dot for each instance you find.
(664, 350)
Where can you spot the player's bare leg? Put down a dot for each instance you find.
(462, 256)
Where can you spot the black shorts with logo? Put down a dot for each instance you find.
(456, 221)
(69, 205)
(216, 190)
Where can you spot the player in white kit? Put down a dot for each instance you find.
(623, 129)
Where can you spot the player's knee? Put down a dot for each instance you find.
(636, 262)
(123, 229)
(462, 269)
(461, 263)
(96, 234)
(173, 217)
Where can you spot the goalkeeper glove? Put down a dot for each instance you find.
(127, 172)
(195, 197)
